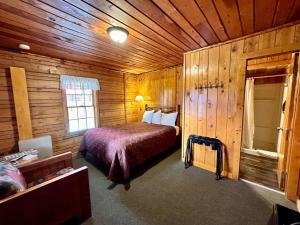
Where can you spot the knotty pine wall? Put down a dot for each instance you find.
(161, 88)
(131, 91)
(45, 98)
(219, 112)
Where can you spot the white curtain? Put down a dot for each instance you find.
(248, 123)
(73, 82)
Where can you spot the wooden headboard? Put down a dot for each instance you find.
(166, 110)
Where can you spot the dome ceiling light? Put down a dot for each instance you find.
(24, 46)
(117, 34)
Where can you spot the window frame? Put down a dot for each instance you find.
(66, 115)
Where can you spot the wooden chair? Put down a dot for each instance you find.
(56, 201)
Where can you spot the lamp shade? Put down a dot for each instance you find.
(139, 98)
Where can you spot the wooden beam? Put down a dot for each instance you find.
(19, 85)
(265, 65)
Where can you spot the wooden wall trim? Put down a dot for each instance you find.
(19, 86)
(239, 117)
(124, 89)
(183, 116)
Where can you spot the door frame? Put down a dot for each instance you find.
(292, 183)
(286, 129)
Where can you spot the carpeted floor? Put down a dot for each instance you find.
(169, 194)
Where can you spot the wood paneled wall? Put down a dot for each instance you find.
(218, 112)
(131, 91)
(45, 98)
(161, 88)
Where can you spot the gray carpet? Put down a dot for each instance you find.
(169, 194)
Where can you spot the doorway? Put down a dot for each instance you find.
(268, 94)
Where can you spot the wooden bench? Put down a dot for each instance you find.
(56, 201)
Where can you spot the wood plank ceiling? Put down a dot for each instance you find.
(160, 30)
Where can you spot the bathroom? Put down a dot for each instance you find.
(268, 101)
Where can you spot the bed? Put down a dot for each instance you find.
(122, 148)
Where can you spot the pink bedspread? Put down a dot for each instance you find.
(121, 148)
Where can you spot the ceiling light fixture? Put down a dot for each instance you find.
(24, 46)
(118, 34)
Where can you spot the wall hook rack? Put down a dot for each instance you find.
(209, 85)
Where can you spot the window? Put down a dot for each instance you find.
(80, 109)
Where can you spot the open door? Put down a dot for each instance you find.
(286, 125)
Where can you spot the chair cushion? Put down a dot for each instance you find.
(11, 180)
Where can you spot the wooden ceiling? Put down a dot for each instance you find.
(160, 30)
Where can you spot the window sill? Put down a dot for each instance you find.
(76, 133)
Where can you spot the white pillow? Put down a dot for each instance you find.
(147, 117)
(156, 119)
(169, 119)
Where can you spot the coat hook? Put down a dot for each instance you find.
(222, 84)
(200, 87)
